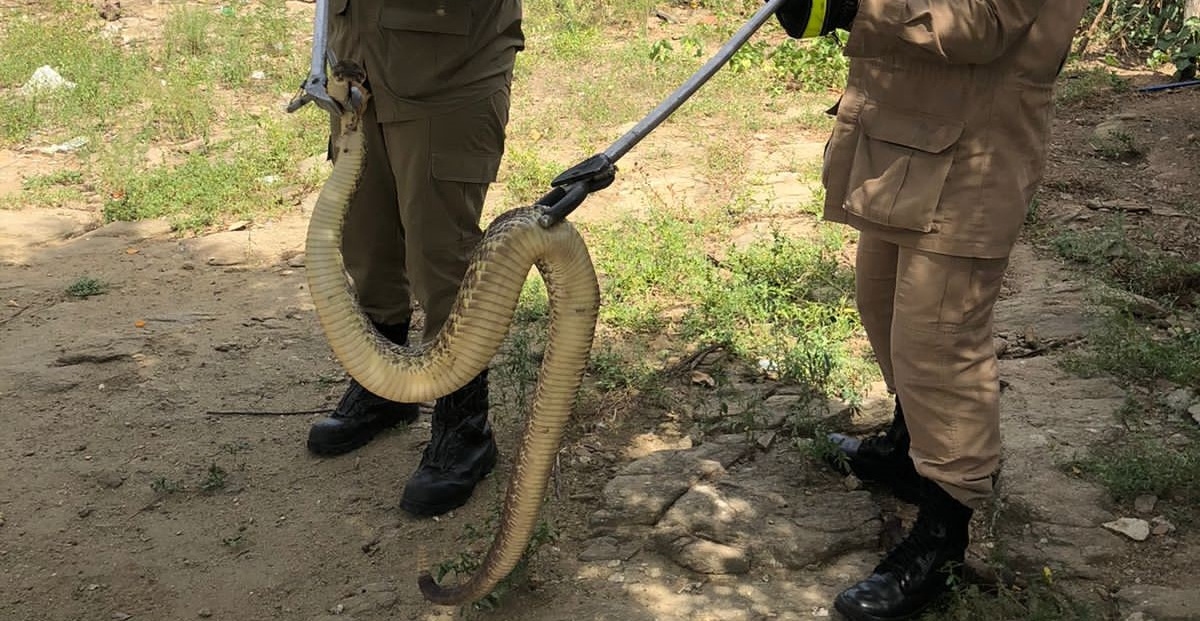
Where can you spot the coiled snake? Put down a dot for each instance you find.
(478, 323)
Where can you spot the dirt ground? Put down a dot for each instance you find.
(130, 491)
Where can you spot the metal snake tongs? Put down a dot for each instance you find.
(598, 171)
(314, 87)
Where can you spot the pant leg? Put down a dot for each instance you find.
(945, 368)
(875, 293)
(373, 239)
(443, 166)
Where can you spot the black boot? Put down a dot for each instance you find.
(460, 453)
(880, 459)
(919, 569)
(361, 414)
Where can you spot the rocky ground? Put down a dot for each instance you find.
(155, 468)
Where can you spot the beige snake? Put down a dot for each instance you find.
(478, 324)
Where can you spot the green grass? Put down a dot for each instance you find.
(1082, 84)
(194, 83)
(1122, 347)
(1110, 255)
(1145, 466)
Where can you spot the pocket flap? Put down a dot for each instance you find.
(436, 16)
(915, 131)
(465, 167)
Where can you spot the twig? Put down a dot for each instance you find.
(237, 413)
(14, 315)
(1086, 39)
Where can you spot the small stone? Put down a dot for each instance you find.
(1, 519)
(1194, 412)
(109, 479)
(1145, 503)
(84, 512)
(258, 75)
(1159, 526)
(296, 261)
(617, 577)
(852, 482)
(204, 613)
(1178, 440)
(121, 616)
(1135, 528)
(239, 225)
(1137, 616)
(1179, 400)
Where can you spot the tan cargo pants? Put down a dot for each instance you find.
(414, 219)
(929, 318)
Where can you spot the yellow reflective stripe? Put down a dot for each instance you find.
(816, 19)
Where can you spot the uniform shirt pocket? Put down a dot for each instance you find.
(900, 166)
(423, 41)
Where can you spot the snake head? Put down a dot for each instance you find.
(347, 86)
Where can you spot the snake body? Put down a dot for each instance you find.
(477, 326)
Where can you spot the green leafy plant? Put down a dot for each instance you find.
(86, 287)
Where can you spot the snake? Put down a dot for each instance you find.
(513, 244)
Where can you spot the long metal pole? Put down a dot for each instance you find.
(689, 88)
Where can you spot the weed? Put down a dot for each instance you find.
(1116, 145)
(527, 177)
(469, 562)
(1145, 466)
(815, 65)
(1121, 347)
(1079, 85)
(57, 178)
(186, 32)
(163, 485)
(214, 479)
(1040, 601)
(86, 287)
(787, 301)
(1119, 262)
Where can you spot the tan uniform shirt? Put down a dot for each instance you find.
(426, 56)
(941, 135)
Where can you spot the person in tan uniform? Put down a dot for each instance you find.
(939, 144)
(439, 73)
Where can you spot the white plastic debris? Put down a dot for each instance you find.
(73, 144)
(258, 75)
(45, 79)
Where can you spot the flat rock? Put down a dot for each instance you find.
(1162, 603)
(608, 548)
(1051, 306)
(751, 516)
(1136, 529)
(707, 557)
(98, 350)
(132, 231)
(644, 489)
